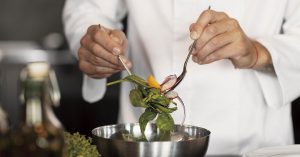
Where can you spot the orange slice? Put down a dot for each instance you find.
(152, 82)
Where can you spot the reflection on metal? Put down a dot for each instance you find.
(110, 141)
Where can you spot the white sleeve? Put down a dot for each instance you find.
(78, 15)
(283, 86)
(93, 89)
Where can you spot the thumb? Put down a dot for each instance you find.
(118, 36)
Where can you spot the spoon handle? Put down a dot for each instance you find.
(125, 66)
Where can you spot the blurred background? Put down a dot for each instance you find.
(32, 30)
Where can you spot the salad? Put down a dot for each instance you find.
(158, 100)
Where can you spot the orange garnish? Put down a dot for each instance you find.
(152, 82)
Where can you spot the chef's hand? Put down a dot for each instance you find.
(99, 50)
(221, 37)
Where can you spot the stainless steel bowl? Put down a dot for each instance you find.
(110, 142)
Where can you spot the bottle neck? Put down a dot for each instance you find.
(37, 104)
(34, 96)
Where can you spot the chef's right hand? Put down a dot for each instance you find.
(99, 50)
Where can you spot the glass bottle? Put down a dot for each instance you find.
(40, 133)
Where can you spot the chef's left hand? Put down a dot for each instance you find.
(221, 37)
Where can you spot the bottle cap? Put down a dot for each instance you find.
(38, 70)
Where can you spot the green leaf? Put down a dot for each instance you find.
(163, 109)
(160, 99)
(136, 98)
(148, 97)
(155, 91)
(143, 90)
(153, 100)
(165, 122)
(164, 135)
(147, 116)
(137, 80)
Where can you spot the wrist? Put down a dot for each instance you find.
(254, 62)
(263, 57)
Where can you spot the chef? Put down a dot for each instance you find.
(244, 72)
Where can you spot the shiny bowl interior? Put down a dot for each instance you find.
(111, 143)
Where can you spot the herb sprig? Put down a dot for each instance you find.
(157, 104)
(79, 145)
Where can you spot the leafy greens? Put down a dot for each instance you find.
(157, 104)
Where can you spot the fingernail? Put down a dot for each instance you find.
(194, 35)
(116, 51)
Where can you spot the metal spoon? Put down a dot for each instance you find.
(125, 66)
(182, 75)
(178, 136)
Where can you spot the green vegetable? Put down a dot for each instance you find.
(137, 80)
(136, 98)
(162, 109)
(146, 117)
(80, 146)
(131, 78)
(156, 104)
(165, 122)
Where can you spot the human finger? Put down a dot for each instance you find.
(91, 69)
(112, 41)
(100, 51)
(211, 31)
(95, 60)
(206, 17)
(214, 44)
(224, 52)
(100, 35)
(119, 37)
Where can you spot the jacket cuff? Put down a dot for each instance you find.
(93, 89)
(269, 81)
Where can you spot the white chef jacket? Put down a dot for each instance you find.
(244, 109)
